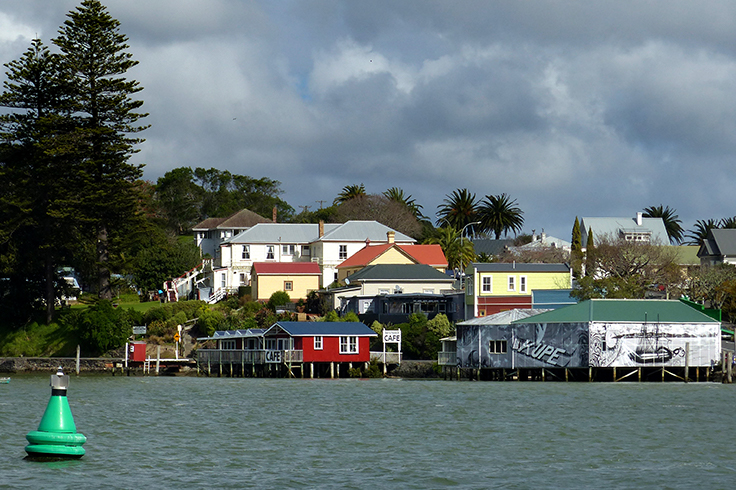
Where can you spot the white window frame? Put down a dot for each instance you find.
(522, 284)
(318, 342)
(223, 280)
(511, 283)
(306, 251)
(290, 284)
(228, 344)
(287, 249)
(270, 252)
(349, 344)
(342, 253)
(486, 284)
(246, 252)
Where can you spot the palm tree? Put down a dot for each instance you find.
(349, 192)
(699, 233)
(728, 223)
(396, 194)
(670, 219)
(458, 209)
(501, 214)
(458, 252)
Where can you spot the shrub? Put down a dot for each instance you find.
(102, 328)
(278, 298)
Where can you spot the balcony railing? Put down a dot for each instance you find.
(386, 357)
(447, 358)
(234, 356)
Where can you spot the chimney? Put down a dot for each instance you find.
(321, 228)
(273, 215)
(390, 236)
(639, 217)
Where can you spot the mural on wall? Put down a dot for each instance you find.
(653, 344)
(523, 345)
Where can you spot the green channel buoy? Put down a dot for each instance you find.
(56, 436)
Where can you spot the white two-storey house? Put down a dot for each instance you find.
(327, 244)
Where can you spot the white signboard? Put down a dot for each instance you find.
(139, 330)
(392, 336)
(273, 356)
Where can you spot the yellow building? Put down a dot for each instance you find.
(296, 279)
(495, 287)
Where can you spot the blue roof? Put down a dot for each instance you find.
(302, 329)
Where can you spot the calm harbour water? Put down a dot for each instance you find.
(187, 432)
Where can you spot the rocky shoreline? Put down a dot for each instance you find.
(51, 364)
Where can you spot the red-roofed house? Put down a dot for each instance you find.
(393, 253)
(295, 278)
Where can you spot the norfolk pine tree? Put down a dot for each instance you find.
(36, 233)
(95, 59)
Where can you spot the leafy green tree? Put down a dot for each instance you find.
(278, 298)
(94, 57)
(458, 209)
(440, 326)
(576, 249)
(500, 214)
(103, 328)
(672, 222)
(382, 209)
(350, 192)
(179, 199)
(706, 284)
(160, 257)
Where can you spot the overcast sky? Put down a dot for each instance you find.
(572, 108)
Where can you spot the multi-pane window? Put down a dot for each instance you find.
(348, 345)
(223, 280)
(227, 344)
(318, 342)
(270, 252)
(522, 284)
(512, 283)
(306, 251)
(497, 346)
(246, 252)
(287, 249)
(343, 254)
(288, 285)
(486, 284)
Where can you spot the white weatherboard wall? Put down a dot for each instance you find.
(654, 344)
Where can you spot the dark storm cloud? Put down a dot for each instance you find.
(574, 108)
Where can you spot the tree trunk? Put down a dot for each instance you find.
(50, 294)
(103, 272)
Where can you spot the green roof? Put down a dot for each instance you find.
(623, 310)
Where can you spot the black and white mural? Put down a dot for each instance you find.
(653, 344)
(523, 345)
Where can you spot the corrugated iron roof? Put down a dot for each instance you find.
(302, 329)
(363, 230)
(519, 267)
(293, 268)
(400, 272)
(623, 311)
(504, 317)
(422, 254)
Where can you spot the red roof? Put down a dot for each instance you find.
(422, 254)
(293, 268)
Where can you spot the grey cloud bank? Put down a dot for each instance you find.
(595, 109)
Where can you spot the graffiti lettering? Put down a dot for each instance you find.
(538, 351)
